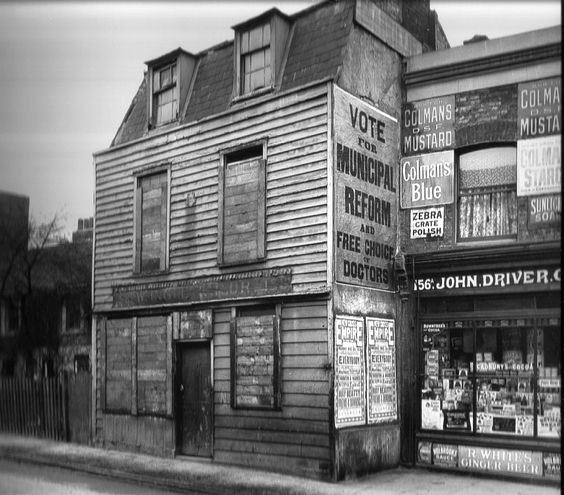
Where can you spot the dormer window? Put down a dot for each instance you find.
(256, 72)
(165, 94)
(259, 49)
(169, 80)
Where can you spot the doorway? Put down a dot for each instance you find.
(195, 399)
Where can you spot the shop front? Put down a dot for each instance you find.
(489, 330)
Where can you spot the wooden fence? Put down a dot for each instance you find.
(57, 408)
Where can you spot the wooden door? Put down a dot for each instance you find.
(195, 407)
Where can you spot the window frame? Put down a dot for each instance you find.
(155, 93)
(261, 200)
(262, 310)
(505, 188)
(239, 55)
(476, 324)
(138, 178)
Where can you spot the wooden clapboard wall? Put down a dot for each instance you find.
(294, 438)
(296, 127)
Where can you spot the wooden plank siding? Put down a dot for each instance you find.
(294, 438)
(295, 126)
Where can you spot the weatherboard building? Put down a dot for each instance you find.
(254, 289)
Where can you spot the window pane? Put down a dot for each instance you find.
(549, 342)
(488, 200)
(255, 38)
(505, 381)
(266, 35)
(156, 81)
(257, 61)
(166, 78)
(488, 167)
(257, 80)
(244, 42)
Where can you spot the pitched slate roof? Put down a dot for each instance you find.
(317, 42)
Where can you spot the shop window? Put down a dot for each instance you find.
(487, 200)
(151, 217)
(255, 358)
(242, 204)
(481, 377)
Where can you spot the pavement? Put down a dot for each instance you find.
(197, 476)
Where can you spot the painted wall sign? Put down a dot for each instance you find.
(539, 110)
(350, 403)
(427, 180)
(500, 460)
(381, 370)
(226, 286)
(427, 125)
(365, 188)
(427, 223)
(536, 276)
(539, 166)
(544, 211)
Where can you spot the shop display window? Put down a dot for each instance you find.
(492, 377)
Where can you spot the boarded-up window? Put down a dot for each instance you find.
(255, 358)
(242, 207)
(118, 365)
(151, 223)
(153, 373)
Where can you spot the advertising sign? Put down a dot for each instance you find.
(427, 125)
(539, 166)
(545, 211)
(365, 186)
(536, 276)
(350, 401)
(552, 465)
(445, 455)
(381, 374)
(427, 180)
(539, 112)
(500, 460)
(427, 223)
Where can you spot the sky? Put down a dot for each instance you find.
(69, 70)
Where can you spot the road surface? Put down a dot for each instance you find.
(30, 479)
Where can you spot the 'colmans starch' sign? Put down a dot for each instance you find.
(366, 152)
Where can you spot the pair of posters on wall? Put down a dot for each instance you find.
(365, 371)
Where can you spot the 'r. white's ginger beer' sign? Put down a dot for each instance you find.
(365, 191)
